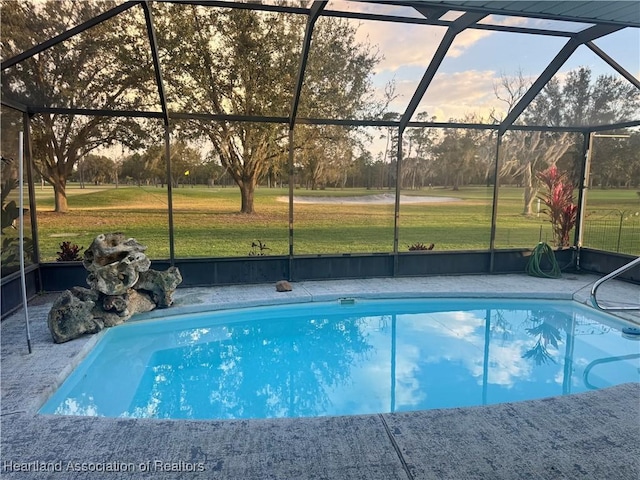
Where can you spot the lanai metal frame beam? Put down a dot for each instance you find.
(456, 27)
(433, 21)
(304, 120)
(314, 13)
(566, 11)
(431, 13)
(68, 34)
(615, 65)
(8, 102)
(553, 67)
(153, 45)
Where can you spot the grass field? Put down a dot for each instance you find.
(207, 222)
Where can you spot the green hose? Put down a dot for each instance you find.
(539, 253)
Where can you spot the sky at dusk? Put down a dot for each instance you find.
(477, 59)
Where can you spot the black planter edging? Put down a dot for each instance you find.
(60, 276)
(326, 267)
(196, 272)
(11, 289)
(417, 264)
(597, 261)
(203, 272)
(206, 272)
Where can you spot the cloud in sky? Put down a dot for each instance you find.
(466, 40)
(411, 46)
(414, 45)
(452, 95)
(407, 51)
(474, 63)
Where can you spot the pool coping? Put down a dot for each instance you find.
(188, 309)
(396, 452)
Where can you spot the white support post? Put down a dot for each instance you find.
(21, 234)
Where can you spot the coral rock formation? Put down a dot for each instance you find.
(121, 285)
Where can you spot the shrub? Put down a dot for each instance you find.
(261, 249)
(69, 252)
(420, 246)
(558, 198)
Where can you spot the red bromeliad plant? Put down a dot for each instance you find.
(559, 201)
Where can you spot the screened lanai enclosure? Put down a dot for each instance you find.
(251, 142)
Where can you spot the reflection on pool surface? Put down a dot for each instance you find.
(328, 359)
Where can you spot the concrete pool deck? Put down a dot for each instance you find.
(584, 436)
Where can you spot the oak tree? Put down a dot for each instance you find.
(105, 67)
(245, 62)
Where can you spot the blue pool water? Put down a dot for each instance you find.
(373, 356)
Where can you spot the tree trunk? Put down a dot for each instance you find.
(247, 190)
(60, 193)
(529, 191)
(529, 197)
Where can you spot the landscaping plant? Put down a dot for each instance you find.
(420, 246)
(558, 198)
(69, 252)
(261, 246)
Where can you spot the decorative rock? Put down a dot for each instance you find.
(116, 278)
(283, 286)
(118, 309)
(114, 263)
(160, 284)
(118, 268)
(116, 303)
(140, 302)
(110, 248)
(71, 315)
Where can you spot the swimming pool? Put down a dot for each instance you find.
(346, 358)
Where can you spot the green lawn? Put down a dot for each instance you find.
(207, 222)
